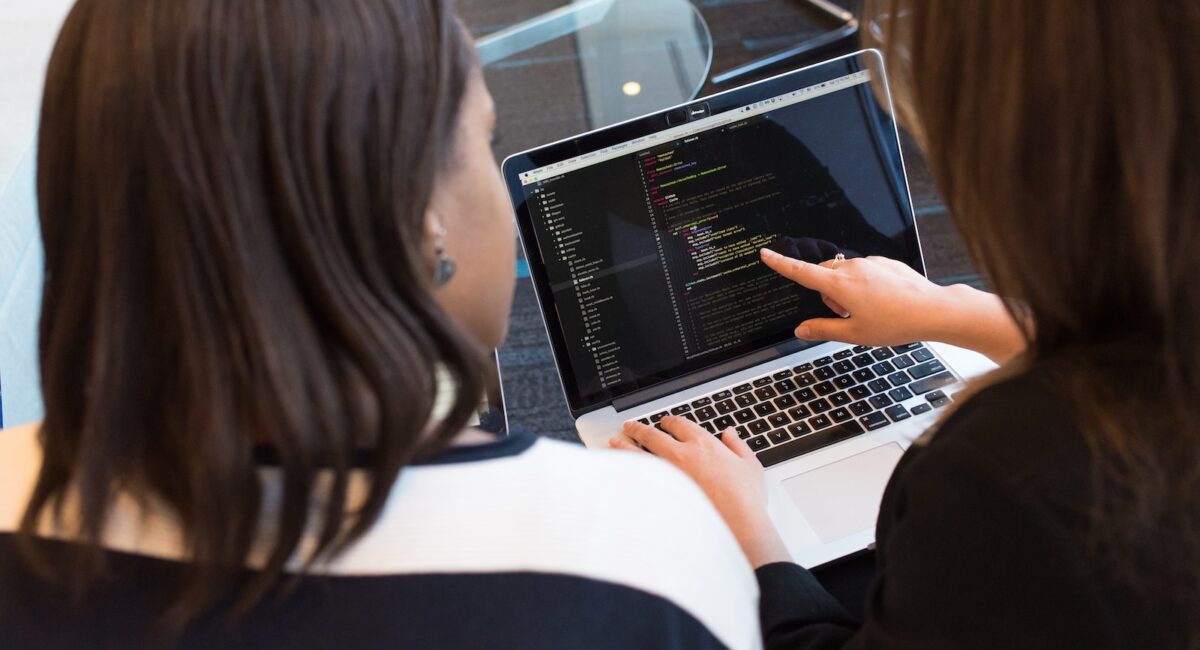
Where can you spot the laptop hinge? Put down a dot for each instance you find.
(708, 374)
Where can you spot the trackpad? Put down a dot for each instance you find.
(842, 498)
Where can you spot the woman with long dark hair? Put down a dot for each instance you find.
(278, 251)
(1058, 506)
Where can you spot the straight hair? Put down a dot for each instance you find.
(1063, 137)
(233, 196)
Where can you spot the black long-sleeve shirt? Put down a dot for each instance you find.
(982, 543)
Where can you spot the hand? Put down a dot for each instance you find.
(726, 470)
(885, 302)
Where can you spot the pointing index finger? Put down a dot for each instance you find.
(813, 276)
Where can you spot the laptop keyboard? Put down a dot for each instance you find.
(793, 411)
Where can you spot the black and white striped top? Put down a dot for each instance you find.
(523, 542)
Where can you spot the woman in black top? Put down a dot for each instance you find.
(1058, 505)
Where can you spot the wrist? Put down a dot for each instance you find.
(976, 320)
(762, 544)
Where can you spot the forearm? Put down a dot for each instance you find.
(977, 320)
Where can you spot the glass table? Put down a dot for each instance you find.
(588, 64)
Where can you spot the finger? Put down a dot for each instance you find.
(625, 444)
(812, 276)
(683, 429)
(655, 441)
(827, 329)
(735, 443)
(835, 307)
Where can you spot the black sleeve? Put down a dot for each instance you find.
(968, 561)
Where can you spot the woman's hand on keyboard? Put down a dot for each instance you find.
(727, 471)
(886, 302)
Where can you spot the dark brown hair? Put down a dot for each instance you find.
(233, 196)
(1063, 136)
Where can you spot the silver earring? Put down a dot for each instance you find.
(445, 266)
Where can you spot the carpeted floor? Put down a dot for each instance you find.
(538, 98)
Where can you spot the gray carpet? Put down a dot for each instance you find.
(538, 100)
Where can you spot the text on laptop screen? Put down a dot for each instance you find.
(651, 247)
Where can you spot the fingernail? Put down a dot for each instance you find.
(804, 331)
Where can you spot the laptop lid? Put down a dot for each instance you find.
(642, 238)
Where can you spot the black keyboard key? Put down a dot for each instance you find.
(805, 394)
(708, 426)
(758, 443)
(819, 406)
(645, 421)
(742, 388)
(922, 386)
(779, 420)
(658, 416)
(844, 381)
(703, 401)
(925, 369)
(782, 374)
(745, 399)
(764, 408)
(823, 361)
(840, 398)
(859, 349)
(863, 360)
(807, 443)
(824, 373)
(805, 379)
(899, 378)
(843, 354)
(843, 367)
(759, 426)
(921, 408)
(804, 367)
(785, 402)
(863, 375)
(689, 415)
(939, 403)
(883, 368)
(897, 412)
(879, 385)
(743, 432)
(824, 388)
(726, 406)
(903, 361)
(840, 415)
(922, 355)
(725, 394)
(907, 347)
(882, 353)
(762, 381)
(861, 407)
(766, 393)
(706, 413)
(899, 394)
(880, 401)
(819, 422)
(779, 436)
(800, 412)
(681, 409)
(784, 386)
(723, 422)
(859, 392)
(745, 415)
(874, 421)
(799, 429)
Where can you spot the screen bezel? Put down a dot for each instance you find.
(532, 159)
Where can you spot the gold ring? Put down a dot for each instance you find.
(837, 259)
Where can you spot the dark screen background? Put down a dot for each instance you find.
(653, 257)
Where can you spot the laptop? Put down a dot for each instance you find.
(643, 246)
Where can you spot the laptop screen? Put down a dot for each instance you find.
(646, 250)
